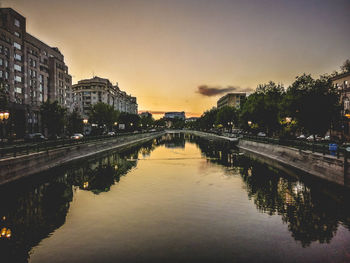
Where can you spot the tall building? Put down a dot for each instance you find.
(88, 92)
(31, 71)
(231, 99)
(342, 83)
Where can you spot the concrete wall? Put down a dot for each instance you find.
(322, 166)
(14, 168)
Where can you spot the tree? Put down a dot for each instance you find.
(3, 97)
(103, 114)
(131, 121)
(314, 104)
(53, 117)
(75, 122)
(226, 115)
(146, 121)
(208, 119)
(346, 66)
(262, 108)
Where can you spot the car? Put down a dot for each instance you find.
(262, 134)
(34, 137)
(301, 137)
(326, 138)
(313, 137)
(77, 136)
(111, 133)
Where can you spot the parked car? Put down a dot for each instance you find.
(34, 137)
(301, 137)
(313, 137)
(111, 133)
(262, 134)
(77, 136)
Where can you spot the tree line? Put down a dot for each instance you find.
(308, 105)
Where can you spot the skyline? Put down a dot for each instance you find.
(167, 53)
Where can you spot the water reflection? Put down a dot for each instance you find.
(30, 212)
(312, 209)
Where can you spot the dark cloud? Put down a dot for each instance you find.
(209, 91)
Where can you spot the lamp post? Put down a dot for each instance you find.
(4, 115)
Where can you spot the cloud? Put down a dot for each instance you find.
(210, 91)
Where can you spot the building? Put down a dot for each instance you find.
(342, 83)
(175, 115)
(191, 119)
(231, 99)
(88, 92)
(31, 71)
(145, 114)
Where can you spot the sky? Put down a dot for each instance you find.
(183, 55)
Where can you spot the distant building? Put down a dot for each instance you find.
(342, 83)
(145, 114)
(231, 99)
(31, 71)
(175, 115)
(88, 92)
(191, 119)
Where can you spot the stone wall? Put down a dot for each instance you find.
(327, 167)
(15, 168)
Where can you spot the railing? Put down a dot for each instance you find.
(25, 149)
(314, 146)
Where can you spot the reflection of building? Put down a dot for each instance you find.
(91, 91)
(175, 115)
(342, 83)
(31, 71)
(231, 99)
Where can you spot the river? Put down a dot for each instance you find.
(175, 199)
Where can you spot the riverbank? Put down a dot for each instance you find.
(323, 166)
(14, 168)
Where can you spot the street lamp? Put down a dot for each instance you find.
(249, 123)
(4, 115)
(85, 121)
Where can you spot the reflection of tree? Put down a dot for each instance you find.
(310, 214)
(33, 212)
(32, 216)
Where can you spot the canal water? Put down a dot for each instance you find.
(175, 199)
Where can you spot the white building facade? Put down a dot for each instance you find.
(88, 92)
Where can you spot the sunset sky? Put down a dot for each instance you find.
(168, 53)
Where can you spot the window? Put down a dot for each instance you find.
(17, 34)
(6, 75)
(16, 45)
(18, 90)
(0, 61)
(17, 23)
(18, 57)
(6, 63)
(41, 78)
(0, 73)
(18, 79)
(41, 87)
(17, 67)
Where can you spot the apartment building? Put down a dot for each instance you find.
(231, 100)
(88, 92)
(31, 71)
(342, 83)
